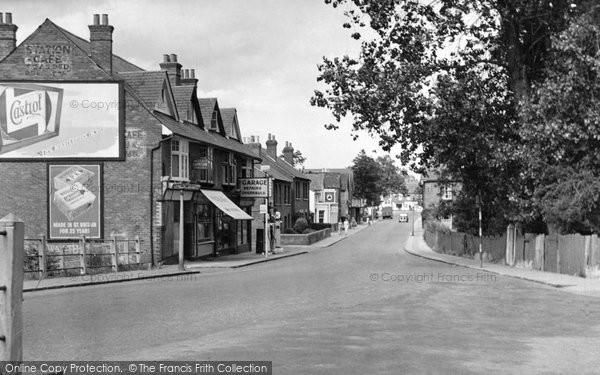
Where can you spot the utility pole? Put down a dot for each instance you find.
(412, 219)
(478, 200)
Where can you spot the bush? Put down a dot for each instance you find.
(300, 225)
(289, 231)
(308, 230)
(436, 226)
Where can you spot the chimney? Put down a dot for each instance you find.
(288, 153)
(173, 68)
(8, 35)
(272, 147)
(189, 77)
(101, 42)
(254, 145)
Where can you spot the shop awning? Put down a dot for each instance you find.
(225, 204)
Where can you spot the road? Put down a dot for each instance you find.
(361, 306)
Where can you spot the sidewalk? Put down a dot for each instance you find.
(417, 246)
(191, 268)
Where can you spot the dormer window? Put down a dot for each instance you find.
(214, 125)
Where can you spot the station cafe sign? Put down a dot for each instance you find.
(254, 187)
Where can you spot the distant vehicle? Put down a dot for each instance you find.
(387, 212)
(403, 218)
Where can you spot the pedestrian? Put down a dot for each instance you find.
(346, 226)
(340, 227)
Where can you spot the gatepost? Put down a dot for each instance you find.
(11, 288)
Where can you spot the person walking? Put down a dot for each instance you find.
(346, 226)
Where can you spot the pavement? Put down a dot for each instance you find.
(191, 267)
(416, 245)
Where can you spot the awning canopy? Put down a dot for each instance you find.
(225, 204)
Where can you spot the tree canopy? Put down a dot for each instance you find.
(471, 86)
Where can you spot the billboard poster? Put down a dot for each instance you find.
(74, 201)
(52, 120)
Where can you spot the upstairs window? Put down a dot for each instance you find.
(180, 159)
(447, 192)
(214, 123)
(229, 170)
(305, 191)
(204, 165)
(247, 168)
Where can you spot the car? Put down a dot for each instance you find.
(403, 218)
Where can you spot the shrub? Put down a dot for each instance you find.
(436, 226)
(289, 231)
(300, 225)
(308, 230)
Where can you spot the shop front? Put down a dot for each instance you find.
(203, 222)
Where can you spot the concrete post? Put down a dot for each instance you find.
(11, 288)
(42, 257)
(82, 256)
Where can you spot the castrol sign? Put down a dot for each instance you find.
(29, 113)
(58, 120)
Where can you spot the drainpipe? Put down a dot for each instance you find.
(152, 196)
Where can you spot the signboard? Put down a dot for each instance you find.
(74, 201)
(262, 209)
(329, 197)
(52, 120)
(265, 168)
(254, 187)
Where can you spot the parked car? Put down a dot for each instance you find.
(403, 218)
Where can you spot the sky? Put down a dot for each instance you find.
(259, 56)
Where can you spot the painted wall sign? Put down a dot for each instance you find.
(52, 120)
(41, 59)
(135, 147)
(254, 187)
(74, 201)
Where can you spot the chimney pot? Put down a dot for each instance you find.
(1, 18)
(192, 73)
(185, 73)
(105, 19)
(96, 19)
(166, 58)
(173, 57)
(8, 19)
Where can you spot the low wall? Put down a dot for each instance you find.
(305, 239)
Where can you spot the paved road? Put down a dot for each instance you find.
(333, 311)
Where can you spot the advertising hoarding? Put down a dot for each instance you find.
(74, 201)
(58, 120)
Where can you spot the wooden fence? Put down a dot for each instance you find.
(47, 259)
(466, 245)
(571, 254)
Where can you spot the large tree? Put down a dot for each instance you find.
(390, 179)
(367, 176)
(445, 80)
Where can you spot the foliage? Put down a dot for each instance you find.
(561, 128)
(300, 225)
(297, 157)
(447, 81)
(366, 177)
(390, 177)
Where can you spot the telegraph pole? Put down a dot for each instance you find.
(480, 231)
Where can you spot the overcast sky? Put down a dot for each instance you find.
(259, 56)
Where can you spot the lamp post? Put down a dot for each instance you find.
(478, 201)
(412, 219)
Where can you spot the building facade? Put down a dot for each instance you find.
(108, 150)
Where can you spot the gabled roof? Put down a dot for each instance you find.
(332, 181)
(149, 85)
(274, 171)
(119, 64)
(184, 99)
(230, 123)
(207, 107)
(197, 134)
(288, 168)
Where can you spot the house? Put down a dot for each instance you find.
(332, 195)
(117, 152)
(290, 188)
(438, 189)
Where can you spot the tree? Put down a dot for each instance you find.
(366, 178)
(390, 178)
(297, 157)
(561, 127)
(445, 81)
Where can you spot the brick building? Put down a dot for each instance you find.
(95, 146)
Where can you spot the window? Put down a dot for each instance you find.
(298, 188)
(179, 159)
(447, 192)
(247, 168)
(305, 191)
(321, 216)
(286, 194)
(204, 229)
(204, 165)
(229, 170)
(214, 124)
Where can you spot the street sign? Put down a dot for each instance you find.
(265, 168)
(263, 208)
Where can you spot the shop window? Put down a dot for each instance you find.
(205, 166)
(204, 231)
(229, 170)
(179, 159)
